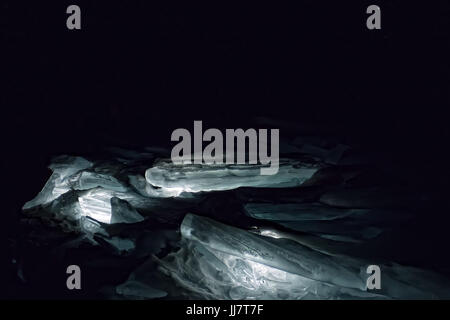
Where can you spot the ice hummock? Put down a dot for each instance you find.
(217, 261)
(290, 236)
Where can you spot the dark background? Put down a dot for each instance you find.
(137, 70)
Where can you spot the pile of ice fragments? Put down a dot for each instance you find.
(226, 232)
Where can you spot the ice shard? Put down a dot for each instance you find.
(96, 204)
(123, 212)
(90, 180)
(91, 226)
(340, 224)
(275, 253)
(53, 188)
(202, 177)
(63, 168)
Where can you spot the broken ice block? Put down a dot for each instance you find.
(123, 212)
(91, 226)
(145, 189)
(63, 168)
(276, 253)
(90, 180)
(298, 211)
(69, 165)
(53, 188)
(217, 261)
(96, 203)
(202, 177)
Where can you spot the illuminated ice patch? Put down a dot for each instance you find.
(96, 204)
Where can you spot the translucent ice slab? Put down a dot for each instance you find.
(89, 180)
(217, 261)
(202, 177)
(97, 204)
(105, 206)
(223, 262)
(275, 253)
